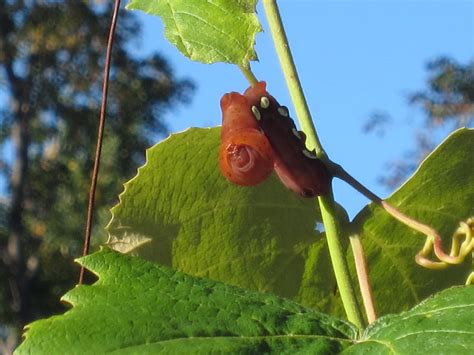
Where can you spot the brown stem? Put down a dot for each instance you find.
(100, 136)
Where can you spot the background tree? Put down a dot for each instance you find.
(448, 103)
(51, 61)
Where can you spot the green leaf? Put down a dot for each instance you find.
(179, 211)
(207, 31)
(440, 194)
(143, 308)
(443, 324)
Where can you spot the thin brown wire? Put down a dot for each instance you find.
(100, 136)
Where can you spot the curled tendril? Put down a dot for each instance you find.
(461, 246)
(433, 244)
(470, 279)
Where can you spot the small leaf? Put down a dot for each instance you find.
(440, 194)
(261, 238)
(443, 324)
(142, 308)
(207, 31)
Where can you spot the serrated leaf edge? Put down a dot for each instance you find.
(137, 175)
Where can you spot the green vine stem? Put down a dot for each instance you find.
(335, 230)
(291, 76)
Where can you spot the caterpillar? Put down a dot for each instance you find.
(245, 155)
(270, 134)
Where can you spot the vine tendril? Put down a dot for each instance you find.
(458, 251)
(433, 243)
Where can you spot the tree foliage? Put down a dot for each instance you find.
(450, 95)
(51, 79)
(447, 102)
(177, 211)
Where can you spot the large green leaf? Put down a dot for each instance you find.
(443, 324)
(207, 31)
(441, 194)
(179, 211)
(143, 308)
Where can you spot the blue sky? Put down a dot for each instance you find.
(353, 58)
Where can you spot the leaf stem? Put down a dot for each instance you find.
(335, 230)
(249, 75)
(363, 276)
